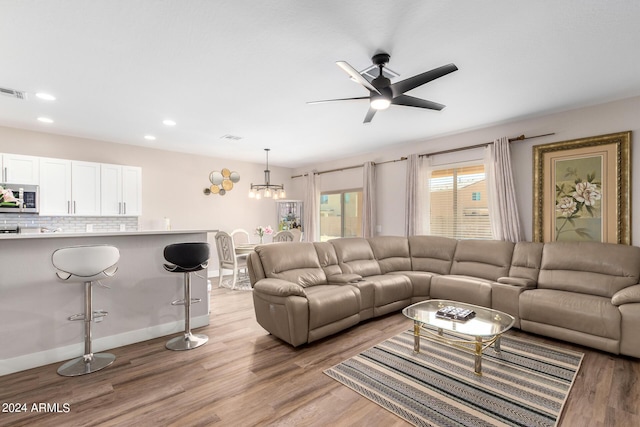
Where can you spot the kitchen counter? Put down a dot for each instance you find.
(35, 304)
(46, 235)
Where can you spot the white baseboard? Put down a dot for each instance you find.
(33, 360)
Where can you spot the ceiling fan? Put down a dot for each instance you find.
(382, 93)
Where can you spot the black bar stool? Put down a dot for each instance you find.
(186, 258)
(86, 264)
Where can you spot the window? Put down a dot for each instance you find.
(459, 206)
(340, 214)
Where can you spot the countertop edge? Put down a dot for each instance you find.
(13, 236)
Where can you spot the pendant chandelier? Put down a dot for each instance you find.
(267, 189)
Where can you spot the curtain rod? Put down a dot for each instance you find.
(470, 147)
(453, 150)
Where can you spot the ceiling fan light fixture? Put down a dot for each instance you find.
(380, 103)
(383, 93)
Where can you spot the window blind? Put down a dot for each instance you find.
(458, 203)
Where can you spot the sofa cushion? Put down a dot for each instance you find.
(525, 263)
(392, 253)
(389, 290)
(295, 262)
(486, 259)
(471, 290)
(629, 295)
(327, 258)
(420, 282)
(589, 314)
(332, 303)
(432, 253)
(589, 267)
(356, 256)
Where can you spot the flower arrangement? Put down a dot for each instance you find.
(574, 201)
(7, 198)
(261, 231)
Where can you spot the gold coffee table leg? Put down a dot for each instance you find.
(478, 356)
(416, 337)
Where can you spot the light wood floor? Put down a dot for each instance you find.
(245, 377)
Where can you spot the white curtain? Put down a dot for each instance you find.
(311, 211)
(417, 201)
(503, 207)
(369, 200)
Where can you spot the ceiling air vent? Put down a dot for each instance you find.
(228, 137)
(13, 93)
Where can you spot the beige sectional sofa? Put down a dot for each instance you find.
(585, 293)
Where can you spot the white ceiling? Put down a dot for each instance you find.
(247, 68)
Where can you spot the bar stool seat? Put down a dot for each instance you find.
(186, 258)
(86, 264)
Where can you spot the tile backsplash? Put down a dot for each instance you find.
(72, 224)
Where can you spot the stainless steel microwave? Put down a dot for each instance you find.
(27, 199)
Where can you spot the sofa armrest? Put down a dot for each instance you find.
(627, 296)
(517, 281)
(342, 279)
(279, 288)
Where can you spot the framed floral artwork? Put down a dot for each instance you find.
(581, 190)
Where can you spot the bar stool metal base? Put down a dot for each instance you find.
(85, 365)
(187, 341)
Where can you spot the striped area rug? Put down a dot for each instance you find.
(526, 384)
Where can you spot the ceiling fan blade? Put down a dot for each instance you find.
(406, 85)
(369, 116)
(355, 75)
(341, 99)
(411, 101)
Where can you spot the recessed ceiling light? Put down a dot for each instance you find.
(45, 96)
(168, 122)
(150, 137)
(45, 120)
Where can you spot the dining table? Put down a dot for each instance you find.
(245, 248)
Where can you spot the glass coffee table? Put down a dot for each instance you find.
(485, 328)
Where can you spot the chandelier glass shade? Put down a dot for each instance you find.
(275, 191)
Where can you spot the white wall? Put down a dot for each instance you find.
(172, 183)
(601, 119)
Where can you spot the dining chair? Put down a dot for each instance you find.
(228, 259)
(240, 237)
(283, 236)
(297, 234)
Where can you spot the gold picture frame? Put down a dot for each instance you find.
(582, 190)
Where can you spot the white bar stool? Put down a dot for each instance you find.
(86, 264)
(186, 258)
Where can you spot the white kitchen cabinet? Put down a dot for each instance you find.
(69, 187)
(19, 169)
(132, 190)
(121, 190)
(85, 188)
(55, 186)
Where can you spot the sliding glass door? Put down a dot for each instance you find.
(340, 214)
